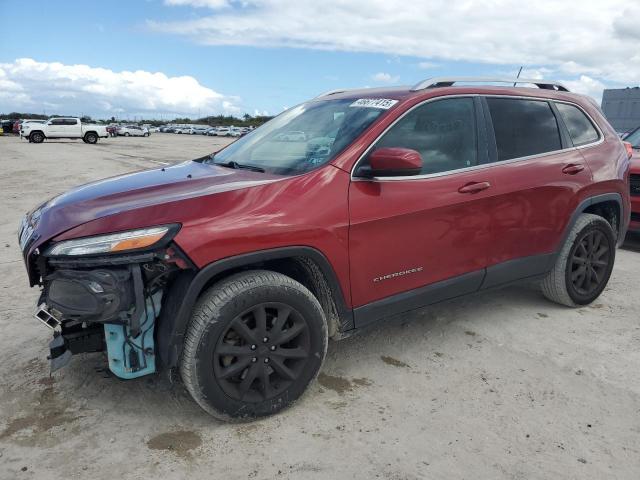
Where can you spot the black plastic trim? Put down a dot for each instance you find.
(586, 203)
(173, 320)
(565, 138)
(418, 298)
(518, 269)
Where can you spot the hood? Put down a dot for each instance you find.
(131, 192)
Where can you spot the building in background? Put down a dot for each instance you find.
(621, 106)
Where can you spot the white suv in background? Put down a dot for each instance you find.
(133, 131)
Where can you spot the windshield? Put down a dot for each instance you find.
(634, 138)
(302, 138)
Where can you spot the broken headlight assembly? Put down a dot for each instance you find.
(105, 292)
(114, 242)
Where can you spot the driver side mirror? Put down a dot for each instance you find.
(393, 162)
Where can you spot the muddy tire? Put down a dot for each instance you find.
(584, 265)
(254, 343)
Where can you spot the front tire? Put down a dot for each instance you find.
(254, 343)
(36, 137)
(584, 265)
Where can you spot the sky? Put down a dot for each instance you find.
(167, 58)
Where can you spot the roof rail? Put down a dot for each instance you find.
(449, 81)
(333, 92)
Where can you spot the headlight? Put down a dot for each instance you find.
(114, 242)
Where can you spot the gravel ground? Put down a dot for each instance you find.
(499, 385)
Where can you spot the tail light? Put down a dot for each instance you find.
(629, 148)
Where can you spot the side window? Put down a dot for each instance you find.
(523, 127)
(57, 121)
(580, 127)
(70, 121)
(442, 131)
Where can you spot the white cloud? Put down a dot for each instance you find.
(383, 77)
(199, 3)
(427, 65)
(595, 38)
(587, 86)
(28, 85)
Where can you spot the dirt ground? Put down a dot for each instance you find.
(499, 385)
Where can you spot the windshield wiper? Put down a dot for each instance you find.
(237, 166)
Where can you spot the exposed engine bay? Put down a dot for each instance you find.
(107, 303)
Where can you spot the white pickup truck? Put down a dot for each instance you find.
(63, 127)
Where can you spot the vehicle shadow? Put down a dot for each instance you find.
(632, 242)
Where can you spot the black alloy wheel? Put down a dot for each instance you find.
(254, 343)
(590, 262)
(262, 352)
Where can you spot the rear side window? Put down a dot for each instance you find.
(523, 127)
(580, 127)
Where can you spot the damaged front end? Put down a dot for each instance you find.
(104, 293)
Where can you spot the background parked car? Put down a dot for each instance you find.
(133, 131)
(221, 131)
(7, 126)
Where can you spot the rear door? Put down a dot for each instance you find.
(72, 128)
(539, 173)
(407, 233)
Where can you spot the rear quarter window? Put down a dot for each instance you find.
(523, 127)
(578, 124)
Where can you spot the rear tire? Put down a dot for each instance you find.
(254, 343)
(91, 138)
(36, 137)
(584, 265)
(126, 134)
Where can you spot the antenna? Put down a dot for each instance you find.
(518, 76)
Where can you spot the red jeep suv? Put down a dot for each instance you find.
(237, 267)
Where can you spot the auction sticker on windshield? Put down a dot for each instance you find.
(384, 103)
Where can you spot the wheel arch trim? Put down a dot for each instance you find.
(584, 205)
(183, 294)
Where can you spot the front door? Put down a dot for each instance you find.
(56, 128)
(414, 240)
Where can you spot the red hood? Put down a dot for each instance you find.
(135, 191)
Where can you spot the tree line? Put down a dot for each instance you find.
(213, 120)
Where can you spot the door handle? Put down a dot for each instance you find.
(474, 187)
(573, 168)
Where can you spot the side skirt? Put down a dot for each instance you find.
(420, 297)
(492, 277)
